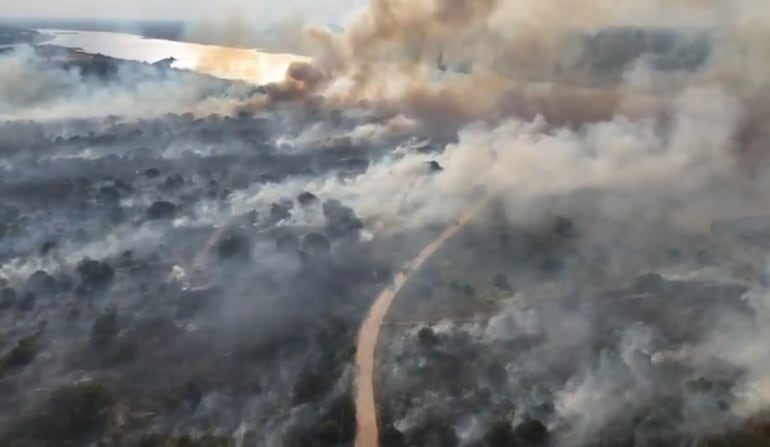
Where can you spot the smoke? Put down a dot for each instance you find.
(550, 111)
(660, 153)
(389, 56)
(282, 36)
(35, 89)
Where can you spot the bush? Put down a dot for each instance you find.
(434, 433)
(122, 350)
(564, 227)
(427, 337)
(316, 244)
(95, 273)
(344, 356)
(280, 211)
(161, 210)
(173, 182)
(650, 283)
(329, 433)
(532, 431)
(390, 436)
(310, 385)
(7, 298)
(76, 411)
(340, 220)
(48, 246)
(497, 373)
(306, 198)
(235, 246)
(20, 356)
(501, 282)
(104, 329)
(287, 243)
(499, 434)
(342, 411)
(40, 282)
(434, 166)
(109, 195)
(27, 302)
(192, 392)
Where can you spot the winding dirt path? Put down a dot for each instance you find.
(366, 409)
(367, 434)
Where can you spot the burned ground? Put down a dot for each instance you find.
(185, 261)
(504, 348)
(120, 324)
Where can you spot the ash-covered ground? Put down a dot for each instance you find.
(552, 336)
(180, 279)
(185, 261)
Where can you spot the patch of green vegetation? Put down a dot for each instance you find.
(20, 356)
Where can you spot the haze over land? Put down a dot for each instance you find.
(257, 12)
(186, 259)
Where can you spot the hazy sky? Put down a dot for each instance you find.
(176, 9)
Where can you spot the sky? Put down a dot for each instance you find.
(187, 10)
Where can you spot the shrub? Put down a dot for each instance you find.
(77, 411)
(161, 210)
(499, 434)
(306, 198)
(309, 386)
(501, 282)
(287, 243)
(342, 411)
(532, 431)
(328, 432)
(427, 337)
(41, 282)
(104, 329)
(316, 244)
(390, 436)
(20, 356)
(235, 246)
(95, 273)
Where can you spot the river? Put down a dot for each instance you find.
(249, 65)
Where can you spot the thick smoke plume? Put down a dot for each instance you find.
(522, 58)
(641, 123)
(551, 119)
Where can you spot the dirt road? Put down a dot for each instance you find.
(366, 409)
